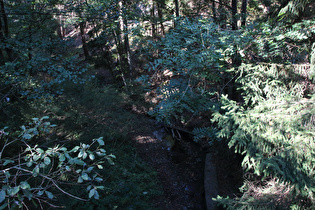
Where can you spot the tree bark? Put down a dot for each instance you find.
(84, 45)
(222, 13)
(5, 20)
(127, 44)
(244, 12)
(1, 40)
(234, 12)
(4, 32)
(60, 29)
(153, 23)
(214, 12)
(176, 8)
(160, 7)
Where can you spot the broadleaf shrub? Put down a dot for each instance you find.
(37, 172)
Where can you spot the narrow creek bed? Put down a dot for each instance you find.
(181, 171)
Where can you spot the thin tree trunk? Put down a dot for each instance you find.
(234, 12)
(214, 12)
(5, 19)
(176, 8)
(5, 31)
(153, 24)
(60, 29)
(160, 7)
(1, 58)
(127, 46)
(1, 40)
(222, 13)
(29, 49)
(84, 45)
(244, 13)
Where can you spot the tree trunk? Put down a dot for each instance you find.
(1, 41)
(84, 45)
(153, 23)
(60, 28)
(127, 44)
(214, 12)
(234, 12)
(4, 32)
(244, 13)
(160, 7)
(176, 8)
(222, 13)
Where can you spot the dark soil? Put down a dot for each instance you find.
(181, 170)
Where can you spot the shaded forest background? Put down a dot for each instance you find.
(229, 73)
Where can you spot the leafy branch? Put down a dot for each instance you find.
(36, 173)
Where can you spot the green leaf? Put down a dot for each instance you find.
(92, 193)
(28, 194)
(89, 169)
(29, 163)
(80, 180)
(80, 154)
(85, 176)
(62, 158)
(63, 149)
(47, 161)
(110, 161)
(96, 195)
(27, 136)
(98, 179)
(78, 162)
(24, 185)
(112, 156)
(36, 157)
(100, 187)
(36, 171)
(49, 194)
(100, 141)
(13, 190)
(39, 150)
(2, 195)
(6, 162)
(75, 149)
(92, 156)
(84, 155)
(44, 118)
(40, 192)
(4, 206)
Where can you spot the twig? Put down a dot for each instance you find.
(54, 183)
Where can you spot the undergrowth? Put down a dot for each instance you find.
(86, 112)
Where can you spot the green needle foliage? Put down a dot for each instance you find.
(275, 126)
(257, 87)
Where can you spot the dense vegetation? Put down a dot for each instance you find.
(236, 73)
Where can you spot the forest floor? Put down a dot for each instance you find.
(181, 170)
